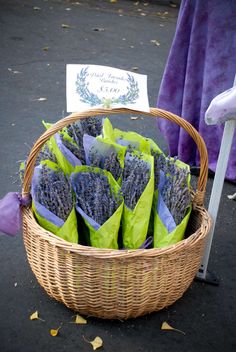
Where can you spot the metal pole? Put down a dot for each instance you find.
(216, 192)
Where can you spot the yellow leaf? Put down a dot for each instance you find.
(54, 332)
(113, 1)
(96, 343)
(34, 316)
(80, 320)
(46, 48)
(166, 326)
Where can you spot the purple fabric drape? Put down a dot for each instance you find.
(201, 65)
(10, 212)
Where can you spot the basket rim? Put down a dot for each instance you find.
(95, 252)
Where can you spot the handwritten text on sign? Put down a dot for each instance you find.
(92, 86)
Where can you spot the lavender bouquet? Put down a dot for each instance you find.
(52, 201)
(99, 203)
(67, 144)
(105, 155)
(173, 205)
(137, 189)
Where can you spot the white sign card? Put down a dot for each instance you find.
(93, 86)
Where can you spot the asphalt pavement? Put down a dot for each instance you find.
(38, 39)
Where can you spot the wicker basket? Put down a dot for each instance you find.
(116, 283)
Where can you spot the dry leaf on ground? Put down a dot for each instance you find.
(41, 99)
(232, 196)
(154, 41)
(99, 29)
(35, 316)
(13, 71)
(166, 326)
(54, 332)
(80, 320)
(96, 343)
(65, 25)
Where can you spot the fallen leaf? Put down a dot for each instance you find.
(172, 4)
(100, 29)
(41, 99)
(36, 8)
(162, 13)
(54, 332)
(232, 196)
(46, 48)
(34, 315)
(113, 1)
(80, 320)
(68, 9)
(166, 326)
(134, 68)
(161, 25)
(134, 118)
(65, 25)
(12, 71)
(155, 42)
(143, 14)
(96, 343)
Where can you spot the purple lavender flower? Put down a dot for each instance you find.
(54, 192)
(176, 192)
(95, 196)
(108, 162)
(76, 150)
(135, 177)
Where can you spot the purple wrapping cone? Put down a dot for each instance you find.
(10, 213)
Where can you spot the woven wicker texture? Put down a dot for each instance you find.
(116, 283)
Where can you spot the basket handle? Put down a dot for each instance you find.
(154, 112)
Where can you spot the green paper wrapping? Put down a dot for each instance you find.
(68, 231)
(135, 222)
(161, 236)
